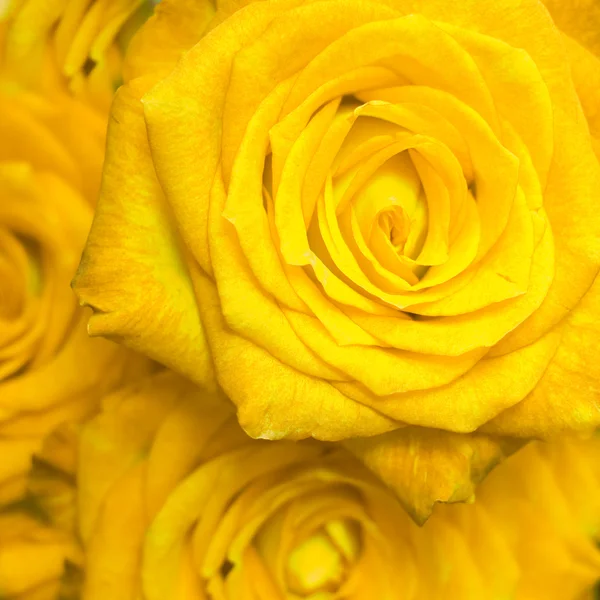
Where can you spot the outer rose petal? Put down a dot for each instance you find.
(133, 219)
(425, 466)
(174, 27)
(585, 68)
(566, 398)
(261, 411)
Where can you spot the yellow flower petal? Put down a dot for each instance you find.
(178, 25)
(567, 391)
(144, 214)
(585, 69)
(424, 467)
(263, 410)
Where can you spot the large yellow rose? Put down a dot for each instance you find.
(175, 501)
(358, 215)
(51, 154)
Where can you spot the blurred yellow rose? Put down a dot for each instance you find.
(63, 45)
(357, 215)
(50, 164)
(175, 501)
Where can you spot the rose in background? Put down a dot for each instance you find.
(212, 513)
(75, 47)
(50, 164)
(356, 217)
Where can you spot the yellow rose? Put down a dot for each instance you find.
(175, 501)
(357, 215)
(50, 164)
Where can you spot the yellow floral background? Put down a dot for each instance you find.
(344, 257)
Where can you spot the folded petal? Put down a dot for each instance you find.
(425, 466)
(115, 288)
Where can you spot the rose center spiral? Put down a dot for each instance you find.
(321, 562)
